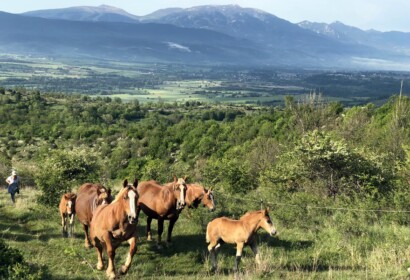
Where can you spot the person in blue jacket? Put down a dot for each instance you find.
(13, 182)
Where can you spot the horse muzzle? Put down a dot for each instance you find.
(132, 220)
(180, 205)
(273, 232)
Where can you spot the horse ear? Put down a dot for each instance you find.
(135, 184)
(210, 190)
(67, 196)
(266, 210)
(125, 184)
(175, 179)
(185, 177)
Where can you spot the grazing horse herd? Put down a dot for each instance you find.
(107, 222)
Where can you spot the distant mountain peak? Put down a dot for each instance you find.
(86, 13)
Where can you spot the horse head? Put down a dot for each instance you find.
(179, 184)
(103, 195)
(130, 197)
(70, 202)
(208, 200)
(266, 223)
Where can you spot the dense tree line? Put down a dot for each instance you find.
(310, 151)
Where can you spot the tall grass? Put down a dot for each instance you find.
(377, 251)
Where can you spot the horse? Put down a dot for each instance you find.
(240, 232)
(197, 194)
(161, 202)
(89, 196)
(114, 223)
(67, 213)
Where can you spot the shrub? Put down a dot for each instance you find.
(63, 169)
(13, 265)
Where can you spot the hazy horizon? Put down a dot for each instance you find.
(380, 15)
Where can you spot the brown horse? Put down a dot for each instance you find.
(197, 194)
(89, 196)
(161, 202)
(67, 213)
(114, 223)
(242, 232)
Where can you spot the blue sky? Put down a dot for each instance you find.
(383, 15)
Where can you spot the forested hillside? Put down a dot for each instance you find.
(322, 168)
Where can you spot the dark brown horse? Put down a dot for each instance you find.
(240, 232)
(161, 202)
(114, 223)
(67, 213)
(89, 196)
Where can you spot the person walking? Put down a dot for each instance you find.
(13, 182)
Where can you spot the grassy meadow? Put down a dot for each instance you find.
(380, 252)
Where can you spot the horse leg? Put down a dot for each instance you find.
(63, 225)
(110, 272)
(149, 235)
(239, 248)
(170, 228)
(212, 247)
(133, 249)
(87, 243)
(254, 248)
(71, 226)
(99, 249)
(160, 230)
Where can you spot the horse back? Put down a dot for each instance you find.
(84, 204)
(228, 230)
(155, 200)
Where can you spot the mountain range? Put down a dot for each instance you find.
(226, 34)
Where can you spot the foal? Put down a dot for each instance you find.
(240, 232)
(67, 213)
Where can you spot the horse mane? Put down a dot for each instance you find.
(120, 194)
(251, 214)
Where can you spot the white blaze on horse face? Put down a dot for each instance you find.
(69, 207)
(132, 195)
(182, 194)
(211, 197)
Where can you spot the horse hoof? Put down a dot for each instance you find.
(123, 269)
(111, 275)
(149, 238)
(159, 247)
(88, 246)
(168, 244)
(100, 266)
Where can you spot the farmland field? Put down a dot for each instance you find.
(179, 83)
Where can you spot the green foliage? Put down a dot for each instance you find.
(61, 170)
(323, 165)
(14, 267)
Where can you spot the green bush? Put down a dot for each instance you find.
(13, 266)
(61, 170)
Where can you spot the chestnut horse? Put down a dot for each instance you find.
(242, 232)
(114, 223)
(67, 213)
(161, 202)
(89, 196)
(197, 194)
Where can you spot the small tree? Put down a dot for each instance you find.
(63, 169)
